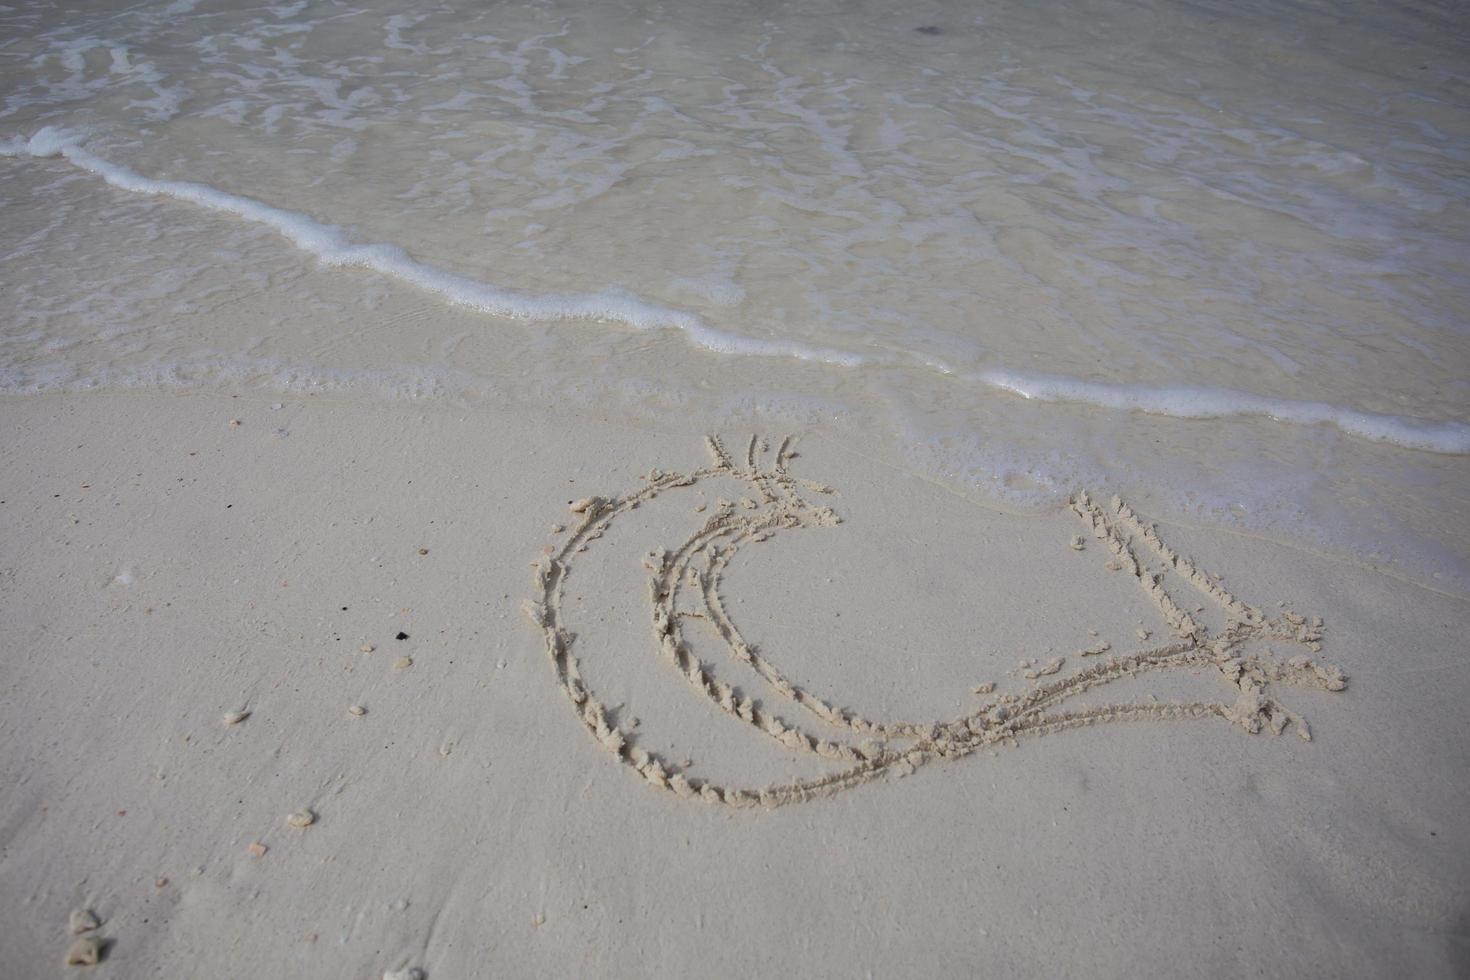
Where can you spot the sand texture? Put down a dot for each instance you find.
(270, 706)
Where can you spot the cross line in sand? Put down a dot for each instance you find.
(867, 749)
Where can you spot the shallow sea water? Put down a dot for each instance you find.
(1212, 256)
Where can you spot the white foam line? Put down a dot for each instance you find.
(332, 248)
(1203, 402)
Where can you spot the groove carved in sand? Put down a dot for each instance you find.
(867, 749)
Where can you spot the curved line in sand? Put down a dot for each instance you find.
(896, 746)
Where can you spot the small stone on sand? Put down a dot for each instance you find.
(366, 648)
(235, 717)
(234, 423)
(423, 551)
(1078, 542)
(357, 710)
(402, 662)
(82, 920)
(257, 849)
(301, 818)
(985, 688)
(86, 951)
(407, 973)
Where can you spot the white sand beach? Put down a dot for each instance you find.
(167, 567)
(822, 490)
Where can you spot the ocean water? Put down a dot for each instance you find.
(1214, 256)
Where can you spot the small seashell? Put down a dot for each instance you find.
(1078, 542)
(86, 951)
(423, 551)
(301, 819)
(367, 648)
(257, 849)
(235, 717)
(403, 662)
(82, 920)
(234, 423)
(356, 709)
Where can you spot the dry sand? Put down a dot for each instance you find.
(269, 706)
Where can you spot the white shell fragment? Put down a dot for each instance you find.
(301, 819)
(235, 717)
(82, 920)
(86, 951)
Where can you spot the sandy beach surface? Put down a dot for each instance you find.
(173, 563)
(826, 489)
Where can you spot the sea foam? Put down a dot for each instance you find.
(332, 248)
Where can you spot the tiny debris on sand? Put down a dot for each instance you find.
(400, 635)
(356, 709)
(234, 423)
(558, 528)
(82, 920)
(1045, 670)
(301, 819)
(986, 688)
(235, 717)
(403, 662)
(367, 648)
(423, 551)
(86, 951)
(1078, 542)
(407, 973)
(257, 849)
(1141, 633)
